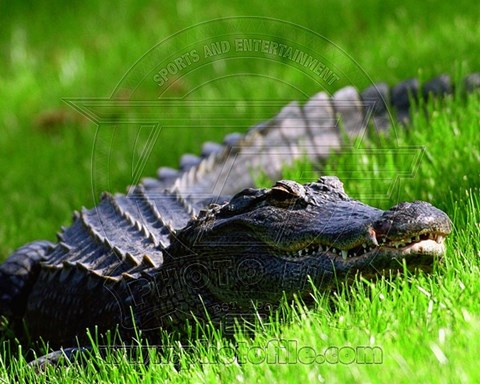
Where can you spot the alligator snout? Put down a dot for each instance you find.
(411, 220)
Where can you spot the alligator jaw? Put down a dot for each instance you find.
(430, 247)
(427, 243)
(432, 244)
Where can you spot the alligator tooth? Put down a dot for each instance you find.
(320, 249)
(417, 238)
(334, 250)
(439, 239)
(299, 253)
(364, 245)
(344, 255)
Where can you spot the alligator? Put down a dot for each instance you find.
(202, 243)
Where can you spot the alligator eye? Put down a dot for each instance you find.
(291, 188)
(281, 194)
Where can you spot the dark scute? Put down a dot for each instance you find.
(165, 173)
(209, 148)
(232, 139)
(472, 82)
(188, 161)
(377, 97)
(439, 86)
(401, 95)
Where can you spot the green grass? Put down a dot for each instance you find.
(427, 326)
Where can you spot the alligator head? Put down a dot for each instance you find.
(264, 242)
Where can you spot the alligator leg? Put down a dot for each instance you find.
(17, 276)
(64, 355)
(84, 355)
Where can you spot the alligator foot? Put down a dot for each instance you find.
(82, 356)
(60, 357)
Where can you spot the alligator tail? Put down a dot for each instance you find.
(297, 131)
(17, 276)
